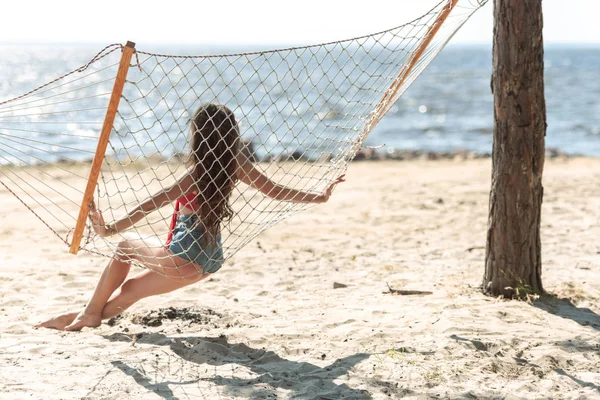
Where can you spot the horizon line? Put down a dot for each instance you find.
(271, 44)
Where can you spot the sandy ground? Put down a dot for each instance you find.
(274, 323)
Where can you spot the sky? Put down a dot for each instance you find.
(258, 21)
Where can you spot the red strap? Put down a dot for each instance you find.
(173, 223)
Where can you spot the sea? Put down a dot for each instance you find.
(448, 108)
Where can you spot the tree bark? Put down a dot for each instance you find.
(513, 262)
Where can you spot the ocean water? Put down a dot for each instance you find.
(449, 107)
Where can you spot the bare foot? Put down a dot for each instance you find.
(82, 320)
(59, 322)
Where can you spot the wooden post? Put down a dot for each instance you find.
(513, 262)
(109, 119)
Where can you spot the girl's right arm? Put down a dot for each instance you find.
(251, 176)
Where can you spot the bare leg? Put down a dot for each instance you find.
(112, 277)
(145, 284)
(179, 273)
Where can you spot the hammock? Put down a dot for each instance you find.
(303, 112)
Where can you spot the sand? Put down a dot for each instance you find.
(305, 312)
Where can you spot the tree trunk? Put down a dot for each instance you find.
(513, 263)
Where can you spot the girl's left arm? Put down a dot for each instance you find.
(163, 197)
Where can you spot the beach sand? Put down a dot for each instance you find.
(304, 311)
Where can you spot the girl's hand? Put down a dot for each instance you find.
(97, 220)
(327, 194)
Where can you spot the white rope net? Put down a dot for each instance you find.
(303, 113)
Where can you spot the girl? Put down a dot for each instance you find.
(193, 250)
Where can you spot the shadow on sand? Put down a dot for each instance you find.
(566, 309)
(268, 371)
(511, 362)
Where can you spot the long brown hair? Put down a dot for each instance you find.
(213, 159)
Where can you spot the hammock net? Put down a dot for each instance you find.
(303, 113)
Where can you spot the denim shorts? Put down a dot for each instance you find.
(189, 243)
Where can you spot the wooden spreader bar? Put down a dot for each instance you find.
(109, 119)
